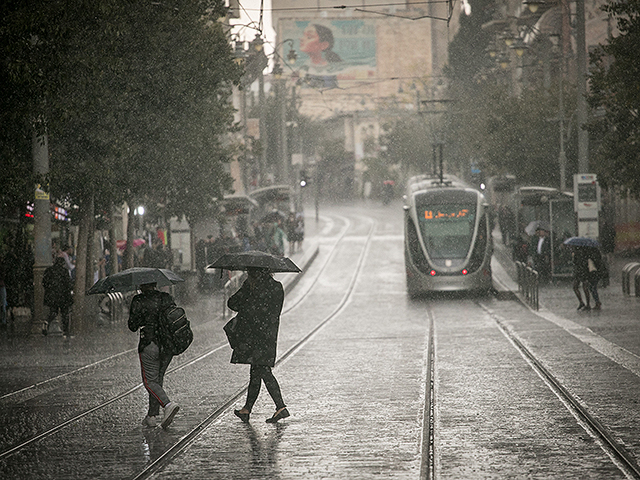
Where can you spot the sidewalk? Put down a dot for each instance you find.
(618, 322)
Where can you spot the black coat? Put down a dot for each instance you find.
(144, 314)
(258, 320)
(57, 286)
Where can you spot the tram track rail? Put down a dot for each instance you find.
(427, 470)
(596, 429)
(102, 361)
(183, 442)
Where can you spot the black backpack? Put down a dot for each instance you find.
(174, 330)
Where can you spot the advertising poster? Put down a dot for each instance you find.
(330, 53)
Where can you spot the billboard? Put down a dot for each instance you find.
(330, 52)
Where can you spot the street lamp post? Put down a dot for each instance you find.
(281, 94)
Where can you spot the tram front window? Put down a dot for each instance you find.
(447, 229)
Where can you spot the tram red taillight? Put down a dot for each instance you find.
(432, 273)
(465, 271)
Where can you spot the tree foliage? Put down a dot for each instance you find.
(615, 100)
(134, 95)
(408, 142)
(504, 134)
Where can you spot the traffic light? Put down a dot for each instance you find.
(304, 179)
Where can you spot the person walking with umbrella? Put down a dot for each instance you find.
(597, 271)
(581, 276)
(144, 314)
(259, 304)
(588, 269)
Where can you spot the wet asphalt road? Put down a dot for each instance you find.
(353, 374)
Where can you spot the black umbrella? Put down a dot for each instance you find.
(273, 216)
(582, 242)
(255, 259)
(131, 278)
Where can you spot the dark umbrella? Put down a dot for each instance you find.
(582, 242)
(273, 216)
(131, 278)
(255, 259)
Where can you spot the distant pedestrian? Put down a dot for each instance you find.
(541, 254)
(597, 271)
(258, 303)
(57, 294)
(66, 252)
(299, 230)
(144, 314)
(581, 276)
(291, 224)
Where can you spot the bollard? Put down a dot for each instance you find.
(629, 270)
(636, 283)
(528, 284)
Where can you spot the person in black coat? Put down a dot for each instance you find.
(258, 303)
(57, 294)
(597, 271)
(541, 254)
(581, 276)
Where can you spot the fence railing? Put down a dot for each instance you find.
(528, 284)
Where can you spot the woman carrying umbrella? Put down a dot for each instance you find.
(258, 303)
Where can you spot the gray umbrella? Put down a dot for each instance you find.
(582, 242)
(131, 278)
(255, 259)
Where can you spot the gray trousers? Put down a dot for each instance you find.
(154, 364)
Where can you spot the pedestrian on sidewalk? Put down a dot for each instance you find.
(57, 294)
(541, 253)
(581, 276)
(597, 272)
(258, 303)
(144, 314)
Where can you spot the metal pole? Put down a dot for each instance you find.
(562, 157)
(263, 130)
(41, 230)
(283, 131)
(581, 63)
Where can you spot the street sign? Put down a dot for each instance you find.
(586, 198)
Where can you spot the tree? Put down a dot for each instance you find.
(134, 96)
(408, 142)
(615, 102)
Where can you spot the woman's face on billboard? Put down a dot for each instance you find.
(310, 41)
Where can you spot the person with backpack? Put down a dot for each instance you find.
(146, 313)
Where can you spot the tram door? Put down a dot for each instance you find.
(563, 226)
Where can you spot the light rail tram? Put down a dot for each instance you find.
(447, 236)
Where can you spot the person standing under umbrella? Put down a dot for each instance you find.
(597, 271)
(581, 275)
(258, 303)
(144, 314)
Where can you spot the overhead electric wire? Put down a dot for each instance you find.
(344, 7)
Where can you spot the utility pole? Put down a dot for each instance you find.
(41, 230)
(581, 113)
